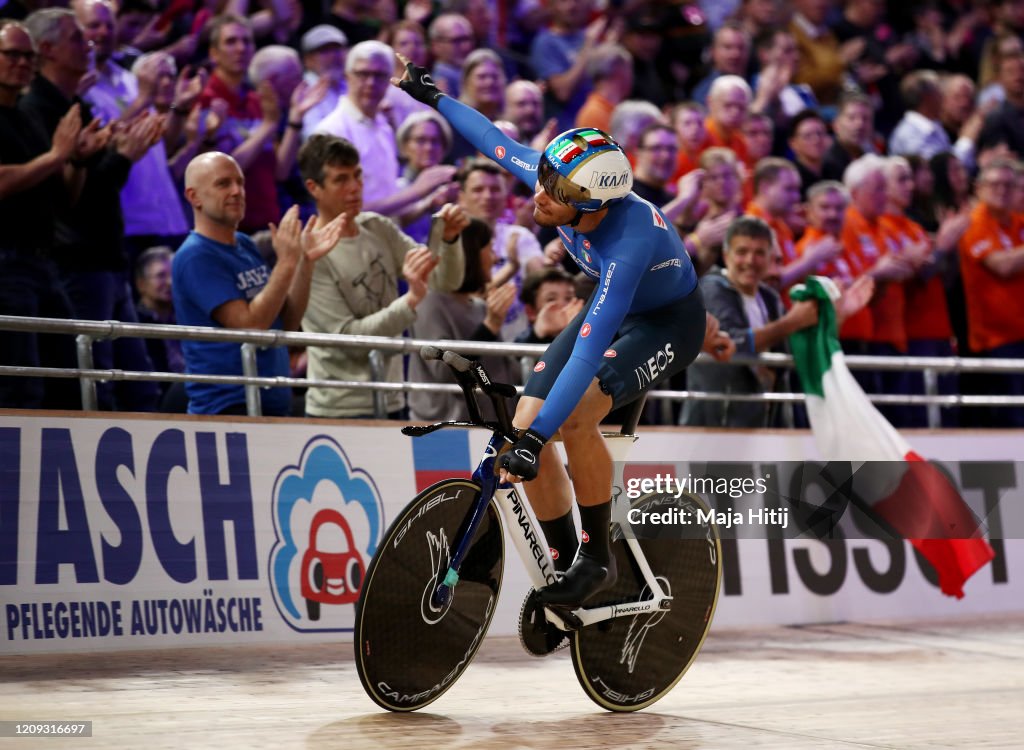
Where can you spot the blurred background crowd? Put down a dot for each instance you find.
(877, 139)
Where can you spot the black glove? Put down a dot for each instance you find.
(523, 460)
(420, 85)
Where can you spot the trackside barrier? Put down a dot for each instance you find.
(128, 531)
(87, 332)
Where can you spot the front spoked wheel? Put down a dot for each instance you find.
(409, 650)
(628, 663)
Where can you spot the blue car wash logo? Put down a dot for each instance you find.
(328, 518)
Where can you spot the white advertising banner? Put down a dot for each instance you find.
(157, 532)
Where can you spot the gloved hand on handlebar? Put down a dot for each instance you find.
(523, 459)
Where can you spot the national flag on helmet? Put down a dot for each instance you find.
(568, 151)
(917, 501)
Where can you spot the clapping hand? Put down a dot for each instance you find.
(893, 268)
(305, 97)
(65, 137)
(918, 254)
(549, 131)
(317, 241)
(951, 228)
(825, 250)
(137, 136)
(188, 87)
(499, 300)
(553, 317)
(286, 238)
(855, 298)
(434, 177)
(270, 105)
(689, 189)
(416, 269)
(554, 252)
(92, 138)
(455, 220)
(711, 231)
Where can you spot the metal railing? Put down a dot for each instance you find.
(88, 332)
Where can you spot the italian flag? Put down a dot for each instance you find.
(909, 495)
(568, 151)
(594, 137)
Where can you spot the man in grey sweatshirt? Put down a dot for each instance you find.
(355, 286)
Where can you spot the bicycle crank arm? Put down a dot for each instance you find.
(562, 618)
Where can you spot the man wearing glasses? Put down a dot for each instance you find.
(359, 119)
(451, 41)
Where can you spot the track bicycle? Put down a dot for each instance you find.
(432, 587)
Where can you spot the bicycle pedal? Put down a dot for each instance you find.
(539, 639)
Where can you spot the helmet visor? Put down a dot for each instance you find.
(558, 187)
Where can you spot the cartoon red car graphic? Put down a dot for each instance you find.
(332, 570)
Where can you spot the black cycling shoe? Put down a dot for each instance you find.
(584, 578)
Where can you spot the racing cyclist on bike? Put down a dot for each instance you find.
(645, 322)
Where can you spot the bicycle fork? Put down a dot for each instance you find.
(488, 481)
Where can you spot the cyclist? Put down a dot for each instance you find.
(644, 322)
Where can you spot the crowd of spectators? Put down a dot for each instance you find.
(877, 140)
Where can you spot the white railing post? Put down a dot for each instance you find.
(931, 388)
(378, 373)
(253, 405)
(83, 347)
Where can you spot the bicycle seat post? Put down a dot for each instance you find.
(631, 418)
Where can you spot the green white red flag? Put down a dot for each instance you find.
(918, 502)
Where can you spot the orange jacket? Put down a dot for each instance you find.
(925, 314)
(864, 243)
(995, 306)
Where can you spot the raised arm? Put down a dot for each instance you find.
(518, 159)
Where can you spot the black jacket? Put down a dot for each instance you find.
(724, 301)
(89, 234)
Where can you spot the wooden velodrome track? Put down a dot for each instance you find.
(955, 684)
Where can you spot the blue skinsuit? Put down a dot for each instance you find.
(635, 254)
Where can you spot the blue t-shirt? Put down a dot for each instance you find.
(205, 274)
(635, 254)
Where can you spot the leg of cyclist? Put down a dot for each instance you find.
(550, 494)
(591, 464)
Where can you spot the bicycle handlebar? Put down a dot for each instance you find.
(470, 375)
(430, 353)
(456, 361)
